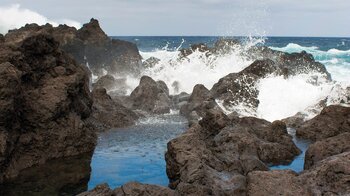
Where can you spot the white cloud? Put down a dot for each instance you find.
(14, 16)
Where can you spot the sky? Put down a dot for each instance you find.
(326, 18)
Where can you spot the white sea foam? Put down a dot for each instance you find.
(280, 98)
(197, 68)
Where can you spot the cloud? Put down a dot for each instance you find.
(14, 16)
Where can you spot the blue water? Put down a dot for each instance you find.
(151, 43)
(135, 153)
(297, 164)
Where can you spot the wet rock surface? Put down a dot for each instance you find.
(150, 96)
(109, 113)
(131, 188)
(326, 148)
(67, 176)
(332, 121)
(88, 45)
(214, 156)
(328, 177)
(45, 101)
(241, 88)
(198, 103)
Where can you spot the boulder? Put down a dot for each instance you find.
(225, 45)
(89, 46)
(108, 113)
(193, 48)
(214, 156)
(332, 121)
(130, 189)
(197, 104)
(179, 100)
(325, 148)
(150, 62)
(151, 96)
(277, 182)
(295, 121)
(107, 81)
(328, 177)
(45, 102)
(116, 86)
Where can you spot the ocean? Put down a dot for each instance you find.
(279, 97)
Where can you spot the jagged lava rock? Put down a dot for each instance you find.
(328, 177)
(130, 189)
(198, 103)
(326, 148)
(109, 112)
(88, 45)
(333, 120)
(214, 156)
(277, 182)
(151, 96)
(45, 101)
(150, 62)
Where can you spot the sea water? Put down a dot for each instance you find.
(135, 153)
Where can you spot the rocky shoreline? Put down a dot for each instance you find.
(50, 110)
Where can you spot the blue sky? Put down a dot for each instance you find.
(193, 17)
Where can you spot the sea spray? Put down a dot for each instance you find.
(279, 97)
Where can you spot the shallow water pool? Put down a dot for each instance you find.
(297, 164)
(135, 153)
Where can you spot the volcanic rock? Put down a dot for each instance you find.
(328, 177)
(214, 156)
(151, 96)
(109, 113)
(150, 62)
(325, 148)
(89, 46)
(45, 101)
(131, 188)
(197, 104)
(193, 48)
(332, 121)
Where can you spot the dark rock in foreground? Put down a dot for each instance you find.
(108, 113)
(214, 156)
(325, 148)
(332, 121)
(65, 176)
(44, 104)
(130, 189)
(328, 177)
(151, 96)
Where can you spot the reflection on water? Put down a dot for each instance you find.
(135, 153)
(298, 163)
(67, 176)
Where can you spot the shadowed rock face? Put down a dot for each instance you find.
(325, 148)
(66, 176)
(332, 121)
(88, 45)
(328, 177)
(109, 113)
(240, 88)
(214, 156)
(44, 104)
(131, 188)
(151, 96)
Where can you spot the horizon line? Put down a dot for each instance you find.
(280, 36)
